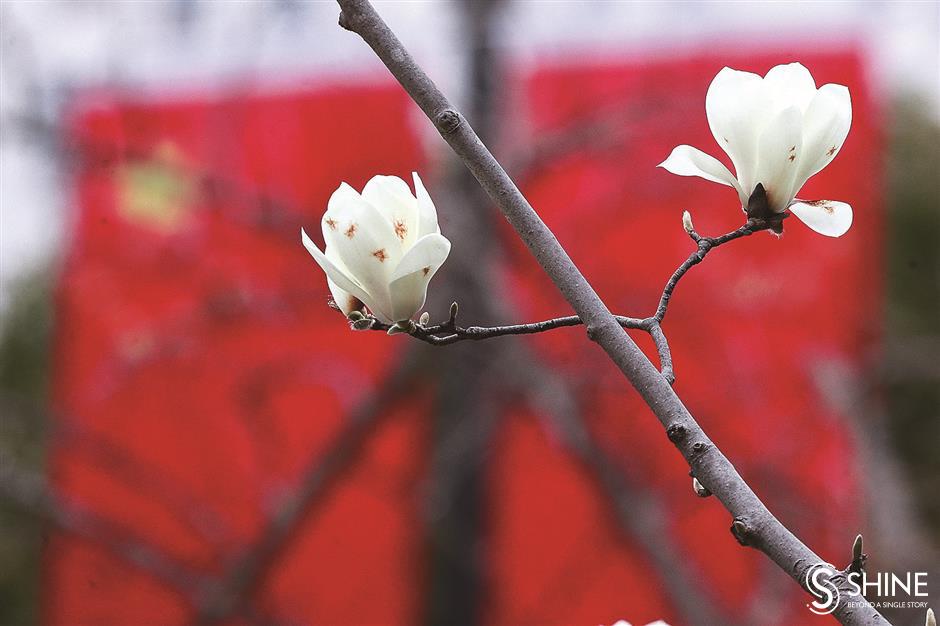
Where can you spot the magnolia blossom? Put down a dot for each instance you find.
(382, 247)
(778, 131)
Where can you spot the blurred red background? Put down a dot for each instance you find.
(199, 374)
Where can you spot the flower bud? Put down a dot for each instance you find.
(857, 548)
(383, 246)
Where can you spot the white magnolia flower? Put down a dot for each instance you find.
(382, 247)
(778, 131)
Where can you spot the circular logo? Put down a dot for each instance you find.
(819, 584)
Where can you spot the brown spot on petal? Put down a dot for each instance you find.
(380, 254)
(350, 231)
(792, 157)
(330, 222)
(792, 148)
(726, 140)
(832, 151)
(426, 270)
(400, 229)
(352, 304)
(825, 205)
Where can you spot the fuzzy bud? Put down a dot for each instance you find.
(857, 549)
(363, 324)
(700, 490)
(402, 328)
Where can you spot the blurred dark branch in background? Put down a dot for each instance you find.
(900, 540)
(641, 515)
(248, 570)
(31, 495)
(909, 384)
(753, 523)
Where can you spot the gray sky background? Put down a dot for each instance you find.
(49, 49)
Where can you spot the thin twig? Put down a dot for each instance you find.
(753, 524)
(449, 332)
(705, 245)
(662, 348)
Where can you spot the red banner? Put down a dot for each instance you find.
(200, 375)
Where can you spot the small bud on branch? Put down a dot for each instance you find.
(700, 490)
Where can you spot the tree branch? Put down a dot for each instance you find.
(640, 512)
(705, 245)
(753, 523)
(449, 332)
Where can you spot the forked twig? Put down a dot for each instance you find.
(450, 332)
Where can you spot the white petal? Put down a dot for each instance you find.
(393, 199)
(343, 299)
(427, 213)
(780, 149)
(825, 127)
(826, 217)
(409, 284)
(689, 161)
(342, 202)
(336, 275)
(737, 109)
(364, 240)
(790, 85)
